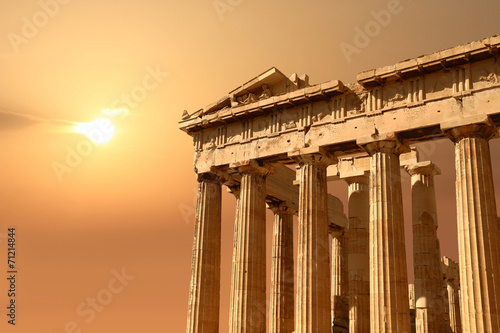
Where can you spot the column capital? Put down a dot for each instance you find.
(389, 142)
(313, 155)
(426, 168)
(280, 207)
(214, 174)
(252, 166)
(477, 126)
(451, 280)
(362, 179)
(336, 231)
(210, 177)
(234, 189)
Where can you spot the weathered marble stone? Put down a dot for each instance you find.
(248, 311)
(204, 291)
(313, 268)
(281, 313)
(273, 121)
(340, 284)
(358, 254)
(478, 240)
(426, 250)
(389, 281)
(451, 278)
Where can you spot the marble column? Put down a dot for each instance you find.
(281, 314)
(358, 254)
(340, 302)
(426, 249)
(235, 190)
(411, 296)
(248, 291)
(477, 227)
(204, 291)
(453, 306)
(389, 302)
(313, 310)
(451, 278)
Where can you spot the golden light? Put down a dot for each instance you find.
(99, 131)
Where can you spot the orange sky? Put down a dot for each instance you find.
(129, 203)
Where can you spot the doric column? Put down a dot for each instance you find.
(340, 302)
(453, 306)
(248, 292)
(411, 296)
(426, 250)
(204, 291)
(281, 314)
(358, 254)
(451, 279)
(389, 304)
(313, 277)
(477, 228)
(234, 189)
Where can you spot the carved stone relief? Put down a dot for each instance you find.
(395, 96)
(355, 104)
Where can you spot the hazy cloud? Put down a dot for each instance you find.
(19, 121)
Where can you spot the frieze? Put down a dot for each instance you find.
(261, 120)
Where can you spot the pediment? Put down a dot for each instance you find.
(263, 86)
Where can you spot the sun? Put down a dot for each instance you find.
(99, 131)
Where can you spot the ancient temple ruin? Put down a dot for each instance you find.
(276, 141)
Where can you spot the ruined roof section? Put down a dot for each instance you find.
(272, 89)
(433, 62)
(269, 77)
(253, 97)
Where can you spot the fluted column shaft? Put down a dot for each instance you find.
(358, 254)
(411, 296)
(453, 306)
(426, 250)
(340, 302)
(248, 293)
(313, 277)
(477, 228)
(204, 291)
(235, 190)
(451, 286)
(281, 314)
(389, 302)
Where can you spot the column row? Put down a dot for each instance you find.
(386, 274)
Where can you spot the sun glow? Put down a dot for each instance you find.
(99, 131)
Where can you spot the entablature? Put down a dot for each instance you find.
(334, 116)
